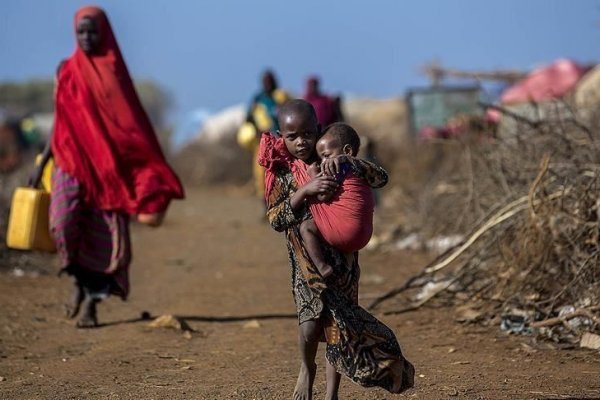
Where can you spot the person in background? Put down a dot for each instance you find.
(11, 147)
(262, 113)
(109, 167)
(328, 108)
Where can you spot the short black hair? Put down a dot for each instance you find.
(345, 134)
(297, 106)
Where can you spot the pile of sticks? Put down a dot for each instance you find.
(528, 203)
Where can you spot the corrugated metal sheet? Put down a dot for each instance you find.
(434, 106)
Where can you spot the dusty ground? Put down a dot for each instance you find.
(215, 263)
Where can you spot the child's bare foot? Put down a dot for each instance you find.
(325, 270)
(304, 385)
(89, 319)
(74, 303)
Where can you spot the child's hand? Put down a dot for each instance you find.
(325, 197)
(331, 166)
(314, 170)
(320, 184)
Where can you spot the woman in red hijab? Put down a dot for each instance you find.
(109, 166)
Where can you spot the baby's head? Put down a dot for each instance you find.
(338, 139)
(299, 128)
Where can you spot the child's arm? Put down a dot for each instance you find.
(321, 185)
(314, 170)
(375, 176)
(279, 210)
(284, 206)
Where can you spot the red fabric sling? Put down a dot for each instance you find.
(346, 222)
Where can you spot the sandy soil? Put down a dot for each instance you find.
(218, 265)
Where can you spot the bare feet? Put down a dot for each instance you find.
(74, 303)
(89, 319)
(304, 385)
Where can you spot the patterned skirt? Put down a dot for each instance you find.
(367, 351)
(93, 245)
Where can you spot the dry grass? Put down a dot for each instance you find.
(540, 253)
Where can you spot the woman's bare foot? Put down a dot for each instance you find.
(74, 303)
(304, 385)
(89, 318)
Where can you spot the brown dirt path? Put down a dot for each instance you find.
(215, 258)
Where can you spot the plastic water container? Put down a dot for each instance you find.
(28, 222)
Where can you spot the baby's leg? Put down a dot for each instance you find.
(308, 342)
(333, 382)
(312, 241)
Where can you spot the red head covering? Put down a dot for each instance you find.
(102, 135)
(324, 105)
(273, 155)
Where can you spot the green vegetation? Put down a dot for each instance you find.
(35, 96)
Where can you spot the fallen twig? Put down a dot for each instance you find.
(423, 301)
(580, 312)
(396, 291)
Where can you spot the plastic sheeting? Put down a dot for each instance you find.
(546, 83)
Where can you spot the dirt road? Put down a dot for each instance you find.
(218, 265)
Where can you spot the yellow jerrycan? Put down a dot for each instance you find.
(246, 136)
(28, 222)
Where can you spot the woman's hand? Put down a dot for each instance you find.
(154, 220)
(36, 177)
(333, 165)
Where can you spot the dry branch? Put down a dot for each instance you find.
(581, 312)
(533, 262)
(507, 212)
